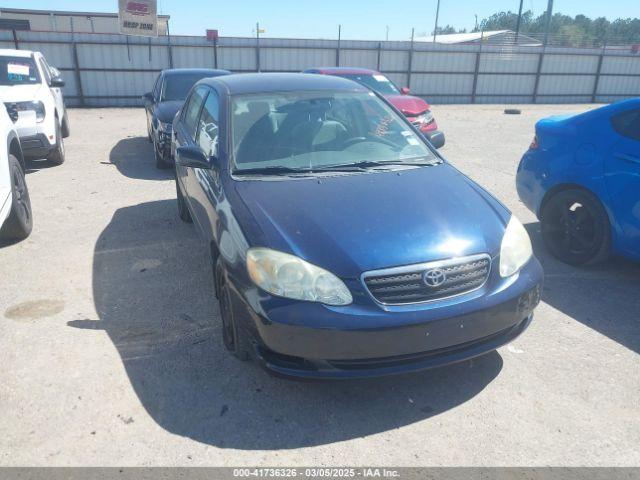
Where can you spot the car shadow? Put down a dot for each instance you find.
(603, 297)
(153, 291)
(35, 165)
(133, 157)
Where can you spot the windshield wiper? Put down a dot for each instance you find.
(272, 170)
(365, 164)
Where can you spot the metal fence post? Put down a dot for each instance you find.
(338, 47)
(215, 52)
(379, 54)
(410, 62)
(538, 71)
(169, 46)
(596, 81)
(76, 71)
(257, 46)
(477, 69)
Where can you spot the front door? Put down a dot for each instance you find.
(622, 173)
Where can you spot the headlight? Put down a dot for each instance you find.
(425, 118)
(37, 107)
(288, 276)
(515, 250)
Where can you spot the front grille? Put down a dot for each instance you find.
(402, 285)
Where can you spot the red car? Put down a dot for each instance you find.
(414, 108)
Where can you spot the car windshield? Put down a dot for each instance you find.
(177, 86)
(376, 82)
(18, 71)
(312, 131)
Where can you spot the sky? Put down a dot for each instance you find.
(360, 19)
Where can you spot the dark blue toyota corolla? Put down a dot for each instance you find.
(342, 244)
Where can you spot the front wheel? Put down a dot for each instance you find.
(575, 227)
(234, 338)
(57, 156)
(183, 209)
(20, 222)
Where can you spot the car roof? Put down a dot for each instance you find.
(341, 70)
(278, 82)
(16, 53)
(189, 71)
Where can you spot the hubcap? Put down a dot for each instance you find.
(573, 228)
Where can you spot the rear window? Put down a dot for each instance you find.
(18, 71)
(176, 87)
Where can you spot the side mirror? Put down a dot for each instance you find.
(189, 156)
(148, 97)
(56, 82)
(404, 90)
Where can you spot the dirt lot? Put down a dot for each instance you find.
(110, 349)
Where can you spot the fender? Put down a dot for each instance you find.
(10, 138)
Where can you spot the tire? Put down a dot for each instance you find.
(575, 227)
(234, 338)
(20, 221)
(161, 164)
(66, 129)
(58, 153)
(149, 137)
(183, 209)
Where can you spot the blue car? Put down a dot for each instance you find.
(581, 177)
(342, 245)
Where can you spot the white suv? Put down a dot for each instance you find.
(30, 85)
(15, 206)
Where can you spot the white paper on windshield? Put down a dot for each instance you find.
(17, 69)
(412, 141)
(380, 78)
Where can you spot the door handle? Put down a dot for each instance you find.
(627, 158)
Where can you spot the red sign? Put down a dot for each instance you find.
(212, 34)
(137, 8)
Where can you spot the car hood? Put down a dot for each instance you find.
(19, 93)
(349, 224)
(408, 104)
(165, 111)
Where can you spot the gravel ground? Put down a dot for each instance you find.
(110, 347)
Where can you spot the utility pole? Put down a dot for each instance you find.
(435, 30)
(548, 21)
(476, 15)
(518, 23)
(387, 36)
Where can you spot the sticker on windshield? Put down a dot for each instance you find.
(380, 78)
(17, 69)
(412, 141)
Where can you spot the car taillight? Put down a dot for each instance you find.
(534, 143)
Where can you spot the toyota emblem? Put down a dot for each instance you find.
(434, 278)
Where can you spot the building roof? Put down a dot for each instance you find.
(26, 11)
(280, 82)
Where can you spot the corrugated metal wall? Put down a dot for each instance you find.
(109, 69)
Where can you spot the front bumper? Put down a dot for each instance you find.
(36, 146)
(316, 341)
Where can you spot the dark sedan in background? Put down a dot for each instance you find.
(163, 102)
(342, 244)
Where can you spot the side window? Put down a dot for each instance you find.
(156, 87)
(45, 71)
(627, 124)
(192, 109)
(207, 135)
